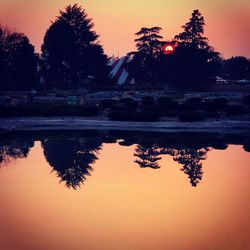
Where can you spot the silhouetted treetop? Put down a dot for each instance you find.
(71, 54)
(14, 149)
(76, 17)
(148, 41)
(237, 67)
(18, 62)
(71, 158)
(193, 32)
(144, 64)
(148, 157)
(191, 161)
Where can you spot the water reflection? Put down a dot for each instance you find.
(191, 161)
(72, 155)
(71, 158)
(14, 149)
(148, 157)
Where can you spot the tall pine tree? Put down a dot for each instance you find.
(193, 34)
(194, 60)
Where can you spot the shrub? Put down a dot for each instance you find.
(150, 108)
(147, 100)
(167, 103)
(164, 99)
(191, 116)
(247, 100)
(48, 110)
(88, 110)
(126, 100)
(215, 104)
(220, 102)
(235, 109)
(133, 116)
(129, 103)
(189, 107)
(108, 103)
(195, 100)
(119, 106)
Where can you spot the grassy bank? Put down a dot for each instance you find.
(145, 109)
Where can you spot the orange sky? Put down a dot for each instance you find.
(228, 21)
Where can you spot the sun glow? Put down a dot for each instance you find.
(168, 49)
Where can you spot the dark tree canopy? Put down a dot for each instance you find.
(14, 149)
(148, 42)
(194, 60)
(148, 157)
(18, 62)
(192, 35)
(71, 54)
(72, 158)
(237, 68)
(144, 63)
(192, 64)
(191, 161)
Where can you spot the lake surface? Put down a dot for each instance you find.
(121, 190)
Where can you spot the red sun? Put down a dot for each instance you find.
(169, 49)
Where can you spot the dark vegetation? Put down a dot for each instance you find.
(80, 150)
(71, 54)
(193, 65)
(247, 100)
(134, 116)
(48, 110)
(129, 109)
(72, 58)
(193, 109)
(18, 62)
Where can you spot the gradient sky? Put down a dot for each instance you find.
(228, 21)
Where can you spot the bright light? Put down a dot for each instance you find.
(169, 48)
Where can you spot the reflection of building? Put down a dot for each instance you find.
(119, 72)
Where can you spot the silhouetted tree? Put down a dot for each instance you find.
(71, 54)
(144, 64)
(71, 158)
(194, 59)
(2, 57)
(148, 156)
(14, 149)
(18, 62)
(237, 68)
(191, 161)
(192, 36)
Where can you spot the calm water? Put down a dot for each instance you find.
(110, 190)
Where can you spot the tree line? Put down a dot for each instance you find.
(81, 153)
(72, 57)
(82, 149)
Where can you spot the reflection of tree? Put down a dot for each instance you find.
(14, 149)
(149, 156)
(191, 161)
(71, 158)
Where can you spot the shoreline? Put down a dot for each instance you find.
(79, 123)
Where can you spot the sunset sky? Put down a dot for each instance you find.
(228, 21)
